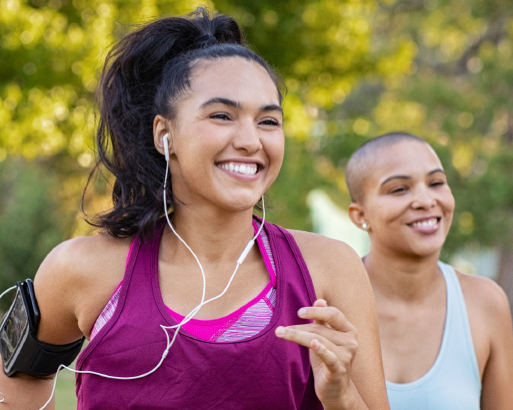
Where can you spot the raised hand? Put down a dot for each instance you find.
(331, 339)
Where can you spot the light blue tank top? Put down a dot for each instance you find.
(453, 382)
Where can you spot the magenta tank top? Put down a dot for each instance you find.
(260, 372)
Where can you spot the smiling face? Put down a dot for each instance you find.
(226, 139)
(407, 204)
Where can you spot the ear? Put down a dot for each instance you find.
(160, 128)
(357, 215)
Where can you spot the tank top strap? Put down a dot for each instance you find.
(142, 264)
(286, 251)
(457, 335)
(139, 258)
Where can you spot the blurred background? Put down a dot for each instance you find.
(441, 69)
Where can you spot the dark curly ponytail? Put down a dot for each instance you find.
(144, 75)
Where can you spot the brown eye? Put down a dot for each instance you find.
(270, 122)
(220, 116)
(399, 190)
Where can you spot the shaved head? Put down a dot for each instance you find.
(361, 162)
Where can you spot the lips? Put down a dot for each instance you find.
(426, 225)
(239, 167)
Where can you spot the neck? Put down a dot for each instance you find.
(214, 236)
(402, 277)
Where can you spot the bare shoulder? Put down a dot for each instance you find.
(489, 317)
(83, 260)
(324, 251)
(334, 266)
(483, 295)
(492, 333)
(73, 282)
(79, 256)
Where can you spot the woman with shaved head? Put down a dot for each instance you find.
(446, 337)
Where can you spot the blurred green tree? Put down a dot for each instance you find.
(323, 50)
(30, 219)
(456, 94)
(353, 69)
(51, 53)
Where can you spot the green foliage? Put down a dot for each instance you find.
(353, 69)
(30, 220)
(456, 94)
(323, 52)
(286, 202)
(51, 54)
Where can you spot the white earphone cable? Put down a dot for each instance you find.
(188, 317)
(7, 291)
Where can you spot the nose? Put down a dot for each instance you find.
(424, 198)
(247, 137)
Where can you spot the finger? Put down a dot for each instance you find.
(329, 358)
(336, 337)
(328, 315)
(320, 346)
(320, 303)
(301, 337)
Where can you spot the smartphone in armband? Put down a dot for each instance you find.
(20, 349)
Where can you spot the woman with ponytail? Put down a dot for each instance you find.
(180, 310)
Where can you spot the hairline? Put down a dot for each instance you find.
(363, 155)
(198, 62)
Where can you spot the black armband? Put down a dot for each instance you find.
(20, 349)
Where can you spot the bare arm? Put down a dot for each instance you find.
(23, 392)
(29, 393)
(497, 392)
(347, 367)
(71, 289)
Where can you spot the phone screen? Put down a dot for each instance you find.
(13, 327)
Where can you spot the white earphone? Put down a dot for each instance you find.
(165, 142)
(190, 315)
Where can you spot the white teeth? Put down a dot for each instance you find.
(426, 223)
(246, 169)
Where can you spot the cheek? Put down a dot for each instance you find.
(279, 154)
(198, 144)
(390, 210)
(275, 148)
(449, 209)
(448, 203)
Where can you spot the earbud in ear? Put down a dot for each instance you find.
(165, 142)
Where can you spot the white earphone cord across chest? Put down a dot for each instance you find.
(191, 314)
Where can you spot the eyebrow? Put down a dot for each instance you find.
(238, 105)
(271, 107)
(407, 177)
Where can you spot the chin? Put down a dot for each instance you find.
(425, 251)
(242, 204)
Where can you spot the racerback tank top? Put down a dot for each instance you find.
(260, 372)
(453, 382)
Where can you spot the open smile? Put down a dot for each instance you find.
(239, 167)
(426, 225)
